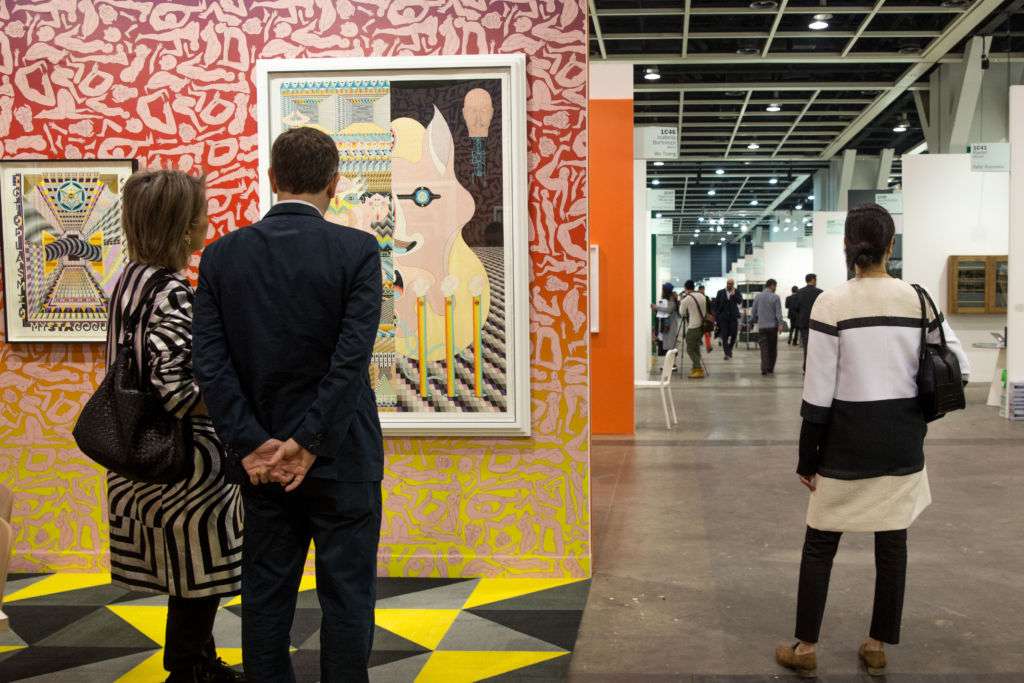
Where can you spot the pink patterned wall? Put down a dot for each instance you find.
(170, 83)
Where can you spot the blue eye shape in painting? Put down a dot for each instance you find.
(421, 196)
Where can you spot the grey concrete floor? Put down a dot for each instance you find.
(698, 531)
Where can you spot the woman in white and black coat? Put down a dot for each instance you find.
(182, 539)
(861, 444)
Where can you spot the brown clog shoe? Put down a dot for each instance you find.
(874, 660)
(805, 665)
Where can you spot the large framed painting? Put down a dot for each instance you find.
(433, 164)
(63, 249)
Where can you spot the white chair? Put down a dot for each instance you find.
(663, 386)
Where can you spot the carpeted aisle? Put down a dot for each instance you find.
(78, 628)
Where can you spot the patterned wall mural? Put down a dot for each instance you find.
(170, 83)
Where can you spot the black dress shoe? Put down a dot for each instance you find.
(207, 671)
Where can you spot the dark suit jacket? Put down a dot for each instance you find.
(791, 306)
(285, 320)
(805, 299)
(728, 307)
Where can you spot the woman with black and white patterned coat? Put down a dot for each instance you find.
(182, 539)
(862, 440)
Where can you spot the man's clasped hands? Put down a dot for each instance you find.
(281, 462)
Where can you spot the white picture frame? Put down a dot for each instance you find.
(515, 419)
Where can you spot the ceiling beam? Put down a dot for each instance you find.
(863, 26)
(957, 30)
(733, 10)
(737, 102)
(966, 99)
(686, 26)
(775, 27)
(663, 58)
(767, 86)
(789, 132)
(884, 168)
(739, 120)
(761, 35)
(597, 28)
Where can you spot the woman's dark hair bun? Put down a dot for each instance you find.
(869, 232)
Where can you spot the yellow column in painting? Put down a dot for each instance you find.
(421, 332)
(476, 288)
(448, 287)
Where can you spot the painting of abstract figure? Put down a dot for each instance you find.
(63, 247)
(426, 166)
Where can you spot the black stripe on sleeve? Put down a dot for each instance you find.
(813, 413)
(879, 321)
(823, 328)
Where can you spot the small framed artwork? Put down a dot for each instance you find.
(63, 248)
(432, 160)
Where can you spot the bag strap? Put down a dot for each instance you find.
(922, 296)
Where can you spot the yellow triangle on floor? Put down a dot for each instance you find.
(495, 590)
(151, 669)
(232, 656)
(465, 667)
(308, 583)
(425, 627)
(58, 583)
(11, 648)
(150, 621)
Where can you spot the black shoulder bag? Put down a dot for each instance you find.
(940, 388)
(124, 426)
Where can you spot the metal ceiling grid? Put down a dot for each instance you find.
(723, 63)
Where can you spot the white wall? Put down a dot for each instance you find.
(948, 209)
(788, 264)
(641, 273)
(829, 259)
(1015, 350)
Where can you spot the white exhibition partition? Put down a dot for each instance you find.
(641, 273)
(1015, 315)
(829, 257)
(788, 263)
(950, 209)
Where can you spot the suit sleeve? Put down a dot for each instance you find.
(228, 407)
(339, 391)
(822, 363)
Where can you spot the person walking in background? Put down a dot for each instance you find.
(805, 299)
(181, 539)
(695, 311)
(709, 307)
(791, 314)
(728, 307)
(668, 319)
(287, 314)
(767, 316)
(861, 444)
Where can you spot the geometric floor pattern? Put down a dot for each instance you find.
(79, 628)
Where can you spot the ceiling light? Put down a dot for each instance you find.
(696, 232)
(799, 207)
(657, 215)
(819, 22)
(735, 225)
(773, 181)
(718, 229)
(691, 244)
(890, 181)
(719, 171)
(775, 229)
(764, 4)
(743, 229)
(753, 145)
(955, 4)
(788, 220)
(901, 125)
(711, 192)
(810, 198)
(729, 232)
(651, 73)
(721, 221)
(655, 182)
(700, 219)
(659, 163)
(773, 107)
(748, 51)
(909, 50)
(753, 202)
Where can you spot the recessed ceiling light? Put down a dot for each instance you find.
(696, 232)
(753, 145)
(657, 215)
(773, 107)
(799, 207)
(891, 181)
(819, 22)
(718, 229)
(810, 198)
(775, 229)
(711, 192)
(753, 202)
(659, 163)
(743, 229)
(909, 49)
(729, 233)
(735, 225)
(700, 219)
(901, 125)
(789, 220)
(719, 171)
(773, 181)
(956, 4)
(764, 4)
(691, 244)
(651, 73)
(655, 182)
(747, 51)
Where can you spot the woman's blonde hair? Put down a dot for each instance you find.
(158, 211)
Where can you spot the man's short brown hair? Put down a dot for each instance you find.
(304, 160)
(158, 211)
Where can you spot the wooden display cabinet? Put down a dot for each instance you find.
(977, 284)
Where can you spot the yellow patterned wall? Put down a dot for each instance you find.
(170, 84)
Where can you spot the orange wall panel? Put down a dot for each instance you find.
(611, 229)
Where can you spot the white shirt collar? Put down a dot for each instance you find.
(300, 201)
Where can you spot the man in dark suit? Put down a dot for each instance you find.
(727, 306)
(285, 320)
(791, 314)
(805, 298)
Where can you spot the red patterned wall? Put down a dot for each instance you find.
(170, 83)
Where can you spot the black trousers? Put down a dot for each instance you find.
(768, 340)
(805, 335)
(343, 521)
(728, 329)
(890, 582)
(189, 631)
(794, 332)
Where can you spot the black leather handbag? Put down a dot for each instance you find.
(940, 387)
(124, 426)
